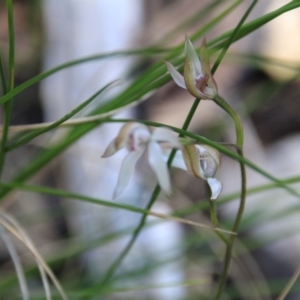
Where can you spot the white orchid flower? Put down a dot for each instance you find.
(202, 162)
(197, 77)
(137, 138)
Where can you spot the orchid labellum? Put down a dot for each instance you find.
(202, 162)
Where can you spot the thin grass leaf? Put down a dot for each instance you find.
(28, 240)
(3, 79)
(11, 80)
(290, 284)
(140, 52)
(253, 25)
(65, 194)
(55, 124)
(17, 263)
(232, 36)
(155, 76)
(201, 14)
(14, 228)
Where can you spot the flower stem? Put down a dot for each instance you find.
(109, 274)
(239, 142)
(214, 219)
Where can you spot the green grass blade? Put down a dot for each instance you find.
(11, 79)
(73, 63)
(3, 80)
(232, 36)
(36, 133)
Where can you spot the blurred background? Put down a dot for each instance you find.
(80, 241)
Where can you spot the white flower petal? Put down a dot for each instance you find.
(159, 167)
(215, 186)
(192, 54)
(162, 134)
(177, 77)
(129, 129)
(177, 161)
(111, 149)
(126, 171)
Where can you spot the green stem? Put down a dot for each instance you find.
(237, 121)
(215, 221)
(153, 198)
(8, 105)
(239, 142)
(232, 36)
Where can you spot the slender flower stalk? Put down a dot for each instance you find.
(239, 143)
(198, 80)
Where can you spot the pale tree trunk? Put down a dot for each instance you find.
(74, 29)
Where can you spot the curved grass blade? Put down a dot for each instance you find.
(73, 112)
(40, 77)
(14, 228)
(17, 263)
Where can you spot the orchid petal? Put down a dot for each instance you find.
(126, 171)
(177, 162)
(190, 79)
(191, 53)
(177, 77)
(162, 134)
(159, 167)
(191, 159)
(197, 75)
(204, 57)
(215, 187)
(111, 149)
(128, 129)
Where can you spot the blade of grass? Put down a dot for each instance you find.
(152, 76)
(17, 263)
(69, 195)
(232, 36)
(11, 79)
(254, 24)
(3, 80)
(201, 14)
(73, 63)
(15, 229)
(245, 30)
(55, 124)
(144, 51)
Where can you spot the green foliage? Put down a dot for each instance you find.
(151, 79)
